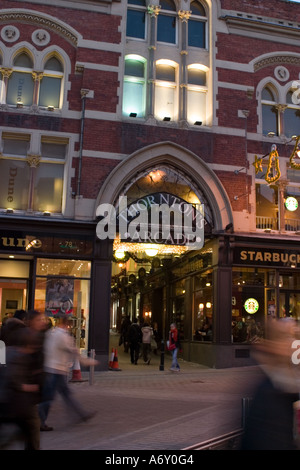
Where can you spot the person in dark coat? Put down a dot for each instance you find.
(134, 339)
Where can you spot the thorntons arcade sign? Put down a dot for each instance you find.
(267, 257)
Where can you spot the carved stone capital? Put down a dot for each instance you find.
(33, 160)
(153, 10)
(184, 15)
(37, 76)
(6, 72)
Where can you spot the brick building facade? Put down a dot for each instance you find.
(102, 99)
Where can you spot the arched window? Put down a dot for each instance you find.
(21, 84)
(166, 90)
(134, 92)
(269, 111)
(167, 22)
(51, 84)
(197, 26)
(291, 116)
(196, 94)
(136, 19)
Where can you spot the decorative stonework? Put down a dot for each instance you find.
(37, 19)
(33, 160)
(40, 37)
(10, 33)
(281, 73)
(275, 60)
(184, 15)
(153, 10)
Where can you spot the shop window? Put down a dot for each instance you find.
(51, 84)
(167, 22)
(134, 92)
(32, 182)
(63, 288)
(197, 26)
(203, 307)
(136, 19)
(249, 308)
(196, 94)
(20, 85)
(26, 87)
(166, 91)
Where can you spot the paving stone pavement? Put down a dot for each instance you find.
(141, 407)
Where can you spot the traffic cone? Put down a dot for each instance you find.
(115, 365)
(76, 372)
(111, 358)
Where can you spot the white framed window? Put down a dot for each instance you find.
(270, 116)
(26, 87)
(134, 90)
(166, 90)
(197, 26)
(136, 19)
(197, 94)
(50, 89)
(20, 85)
(32, 182)
(167, 24)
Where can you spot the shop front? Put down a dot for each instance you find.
(48, 266)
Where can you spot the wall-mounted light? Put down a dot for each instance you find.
(167, 118)
(198, 123)
(19, 104)
(46, 213)
(133, 115)
(50, 108)
(9, 210)
(236, 172)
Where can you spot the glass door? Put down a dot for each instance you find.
(289, 304)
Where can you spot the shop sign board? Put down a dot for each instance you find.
(17, 241)
(266, 257)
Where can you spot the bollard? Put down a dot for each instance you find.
(162, 356)
(92, 368)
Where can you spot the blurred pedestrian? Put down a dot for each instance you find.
(22, 391)
(59, 352)
(270, 423)
(20, 314)
(124, 333)
(134, 339)
(174, 346)
(147, 333)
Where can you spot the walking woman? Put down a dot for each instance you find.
(174, 345)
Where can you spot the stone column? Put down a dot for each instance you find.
(183, 75)
(153, 11)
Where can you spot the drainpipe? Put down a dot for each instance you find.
(83, 93)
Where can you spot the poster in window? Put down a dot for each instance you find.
(59, 297)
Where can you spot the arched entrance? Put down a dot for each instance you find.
(158, 286)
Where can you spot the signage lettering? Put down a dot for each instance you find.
(267, 257)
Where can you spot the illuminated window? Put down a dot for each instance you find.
(21, 84)
(136, 19)
(166, 91)
(50, 85)
(134, 86)
(196, 94)
(27, 87)
(167, 22)
(32, 182)
(197, 26)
